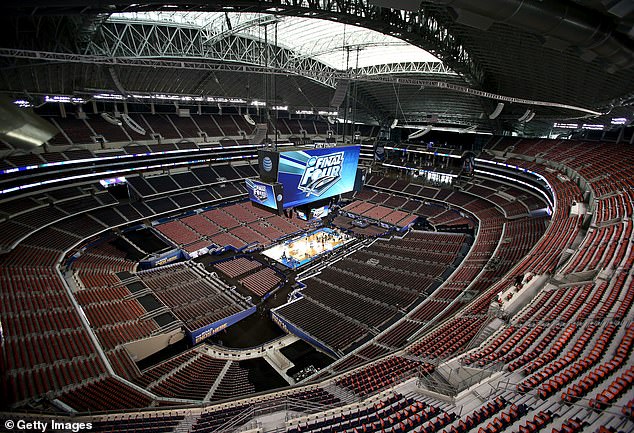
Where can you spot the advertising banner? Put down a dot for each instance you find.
(268, 162)
(198, 335)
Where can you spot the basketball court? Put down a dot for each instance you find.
(295, 253)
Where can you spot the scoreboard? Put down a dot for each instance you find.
(265, 194)
(308, 175)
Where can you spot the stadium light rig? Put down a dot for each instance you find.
(166, 97)
(593, 127)
(566, 125)
(22, 103)
(62, 98)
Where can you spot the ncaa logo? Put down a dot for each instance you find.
(267, 164)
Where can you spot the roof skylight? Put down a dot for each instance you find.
(336, 44)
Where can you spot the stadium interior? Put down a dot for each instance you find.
(317, 216)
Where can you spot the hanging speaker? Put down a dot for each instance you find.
(110, 119)
(419, 133)
(497, 111)
(393, 125)
(340, 93)
(130, 123)
(249, 120)
(525, 115)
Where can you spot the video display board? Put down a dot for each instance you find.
(320, 212)
(314, 174)
(264, 194)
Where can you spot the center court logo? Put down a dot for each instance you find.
(321, 173)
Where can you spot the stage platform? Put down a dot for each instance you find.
(301, 250)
